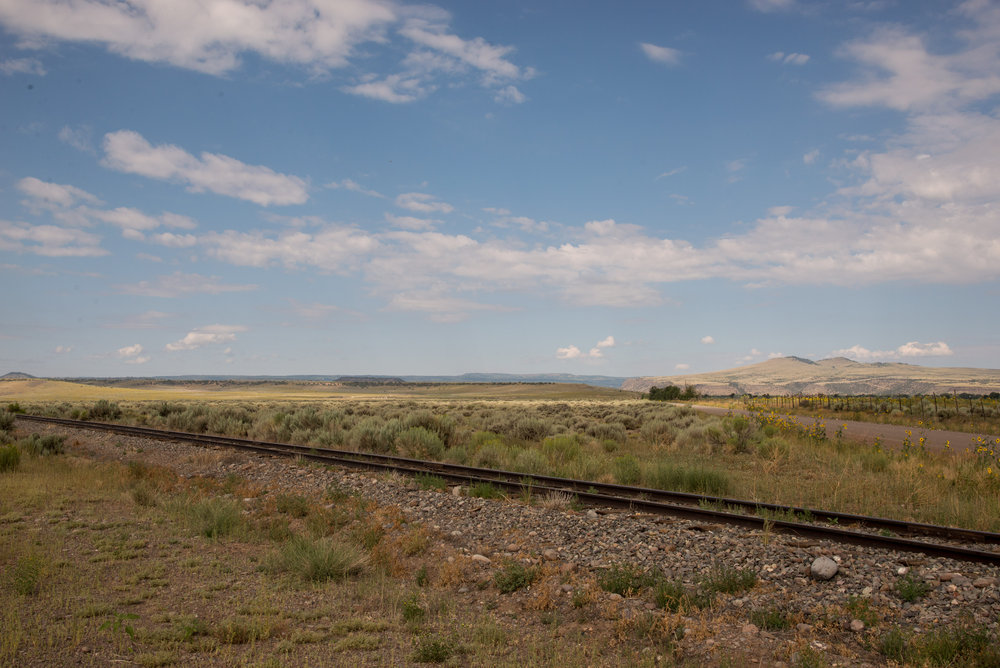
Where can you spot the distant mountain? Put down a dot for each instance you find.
(837, 375)
(16, 375)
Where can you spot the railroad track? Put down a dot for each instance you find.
(877, 532)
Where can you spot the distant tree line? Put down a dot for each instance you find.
(671, 393)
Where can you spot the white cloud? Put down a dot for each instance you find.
(672, 172)
(80, 138)
(423, 203)
(205, 336)
(179, 284)
(568, 353)
(916, 349)
(572, 352)
(780, 211)
(62, 350)
(708, 340)
(810, 157)
(411, 222)
(509, 95)
(682, 367)
(771, 5)
(353, 186)
(133, 354)
(661, 54)
(208, 35)
(128, 151)
(22, 66)
(909, 349)
(332, 248)
(393, 88)
(172, 240)
(49, 240)
(788, 58)
(54, 193)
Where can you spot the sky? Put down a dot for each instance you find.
(369, 187)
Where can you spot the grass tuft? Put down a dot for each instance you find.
(320, 559)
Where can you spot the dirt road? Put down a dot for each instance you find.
(889, 435)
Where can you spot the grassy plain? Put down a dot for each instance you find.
(579, 432)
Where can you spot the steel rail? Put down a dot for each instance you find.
(691, 506)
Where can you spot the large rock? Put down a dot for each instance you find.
(823, 568)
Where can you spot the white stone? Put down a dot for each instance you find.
(823, 568)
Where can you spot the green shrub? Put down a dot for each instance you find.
(514, 576)
(320, 559)
(528, 428)
(38, 446)
(771, 619)
(626, 579)
(373, 435)
(419, 443)
(291, 504)
(910, 588)
(697, 480)
(561, 449)
(429, 481)
(411, 609)
(608, 431)
(485, 490)
(658, 432)
(530, 460)
(105, 410)
(14, 407)
(433, 650)
(10, 458)
(6, 422)
(727, 580)
(443, 426)
(627, 470)
(215, 518)
(26, 575)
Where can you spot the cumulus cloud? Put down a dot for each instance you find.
(661, 54)
(572, 352)
(179, 284)
(133, 354)
(810, 157)
(682, 366)
(423, 203)
(213, 36)
(206, 336)
(62, 350)
(908, 349)
(129, 152)
(707, 340)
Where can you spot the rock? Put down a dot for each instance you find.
(823, 568)
(512, 547)
(615, 597)
(803, 628)
(568, 567)
(481, 558)
(979, 583)
(592, 514)
(902, 570)
(750, 630)
(567, 588)
(456, 490)
(550, 555)
(857, 625)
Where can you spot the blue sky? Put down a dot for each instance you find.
(642, 188)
